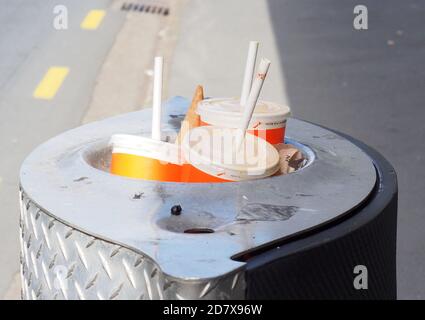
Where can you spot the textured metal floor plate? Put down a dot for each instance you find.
(60, 262)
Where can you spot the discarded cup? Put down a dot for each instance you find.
(145, 158)
(268, 120)
(193, 175)
(214, 151)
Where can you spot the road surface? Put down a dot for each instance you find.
(97, 67)
(368, 84)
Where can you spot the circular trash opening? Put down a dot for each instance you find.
(98, 155)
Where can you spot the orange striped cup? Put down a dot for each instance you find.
(148, 159)
(268, 120)
(213, 150)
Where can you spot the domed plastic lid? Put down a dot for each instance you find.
(146, 147)
(226, 112)
(213, 150)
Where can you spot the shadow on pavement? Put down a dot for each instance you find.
(369, 84)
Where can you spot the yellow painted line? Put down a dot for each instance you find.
(93, 19)
(50, 83)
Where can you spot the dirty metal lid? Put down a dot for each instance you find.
(61, 178)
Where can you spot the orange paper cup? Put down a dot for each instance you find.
(192, 174)
(273, 136)
(268, 120)
(213, 151)
(145, 158)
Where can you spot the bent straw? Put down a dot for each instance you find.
(191, 119)
(157, 96)
(252, 100)
(249, 71)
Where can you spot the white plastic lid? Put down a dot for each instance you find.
(212, 150)
(146, 147)
(226, 112)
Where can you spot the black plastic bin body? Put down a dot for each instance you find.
(320, 265)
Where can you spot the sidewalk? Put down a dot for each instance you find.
(367, 84)
(110, 73)
(213, 45)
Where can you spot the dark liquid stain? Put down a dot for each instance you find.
(266, 212)
(81, 179)
(162, 193)
(304, 195)
(138, 196)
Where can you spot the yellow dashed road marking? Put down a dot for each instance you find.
(51, 83)
(93, 19)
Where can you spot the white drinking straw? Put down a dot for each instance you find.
(249, 71)
(157, 97)
(252, 100)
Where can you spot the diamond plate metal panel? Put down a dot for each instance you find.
(60, 262)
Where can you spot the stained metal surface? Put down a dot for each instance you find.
(136, 214)
(60, 262)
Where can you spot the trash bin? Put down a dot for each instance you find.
(87, 234)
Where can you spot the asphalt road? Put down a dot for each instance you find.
(107, 53)
(29, 46)
(369, 84)
(212, 48)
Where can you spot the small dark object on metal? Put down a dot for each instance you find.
(176, 210)
(138, 196)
